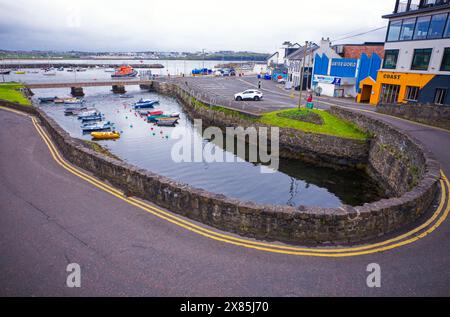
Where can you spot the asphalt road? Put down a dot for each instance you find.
(50, 217)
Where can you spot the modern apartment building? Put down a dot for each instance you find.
(416, 66)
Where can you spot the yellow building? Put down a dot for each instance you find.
(416, 64)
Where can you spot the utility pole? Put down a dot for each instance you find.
(302, 75)
(310, 65)
(203, 70)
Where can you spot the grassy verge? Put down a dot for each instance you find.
(11, 92)
(331, 124)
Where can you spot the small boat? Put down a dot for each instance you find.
(125, 72)
(73, 101)
(49, 74)
(174, 114)
(80, 69)
(90, 113)
(60, 69)
(20, 73)
(156, 113)
(142, 104)
(47, 99)
(126, 96)
(93, 118)
(94, 127)
(142, 112)
(70, 70)
(156, 118)
(166, 122)
(113, 135)
(72, 111)
(5, 72)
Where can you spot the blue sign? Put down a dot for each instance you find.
(344, 67)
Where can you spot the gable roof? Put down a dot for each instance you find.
(300, 53)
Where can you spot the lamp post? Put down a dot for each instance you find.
(301, 75)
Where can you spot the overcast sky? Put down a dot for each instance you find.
(190, 25)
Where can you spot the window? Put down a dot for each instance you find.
(423, 24)
(412, 93)
(407, 29)
(421, 59)
(394, 31)
(390, 59)
(447, 29)
(437, 26)
(439, 97)
(445, 66)
(389, 94)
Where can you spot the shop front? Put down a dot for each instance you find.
(392, 87)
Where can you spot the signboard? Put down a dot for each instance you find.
(328, 80)
(344, 67)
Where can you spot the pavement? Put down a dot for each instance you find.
(50, 217)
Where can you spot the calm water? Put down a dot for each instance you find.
(144, 145)
(173, 67)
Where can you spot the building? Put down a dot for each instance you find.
(416, 65)
(357, 50)
(295, 64)
(279, 57)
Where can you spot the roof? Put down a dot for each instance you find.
(300, 53)
(362, 44)
(276, 53)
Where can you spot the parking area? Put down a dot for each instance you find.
(221, 91)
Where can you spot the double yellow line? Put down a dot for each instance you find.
(414, 235)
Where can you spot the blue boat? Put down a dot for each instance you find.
(144, 104)
(92, 118)
(87, 114)
(92, 127)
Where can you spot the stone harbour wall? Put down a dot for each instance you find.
(438, 116)
(318, 226)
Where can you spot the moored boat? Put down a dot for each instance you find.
(145, 103)
(73, 101)
(125, 72)
(94, 127)
(113, 135)
(73, 111)
(5, 72)
(47, 99)
(166, 122)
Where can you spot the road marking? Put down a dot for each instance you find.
(413, 235)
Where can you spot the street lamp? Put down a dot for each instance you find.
(302, 75)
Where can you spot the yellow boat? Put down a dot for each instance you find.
(105, 135)
(20, 73)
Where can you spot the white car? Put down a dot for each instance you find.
(250, 94)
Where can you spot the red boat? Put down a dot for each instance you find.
(155, 113)
(125, 72)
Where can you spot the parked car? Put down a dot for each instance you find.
(250, 94)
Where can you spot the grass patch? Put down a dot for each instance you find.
(11, 92)
(331, 124)
(302, 115)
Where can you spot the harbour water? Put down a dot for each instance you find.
(149, 147)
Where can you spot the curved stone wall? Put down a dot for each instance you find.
(281, 223)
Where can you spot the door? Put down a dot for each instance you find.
(366, 93)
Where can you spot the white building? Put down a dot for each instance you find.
(280, 56)
(294, 62)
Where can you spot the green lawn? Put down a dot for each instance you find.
(11, 92)
(331, 124)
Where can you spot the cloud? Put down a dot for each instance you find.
(258, 25)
